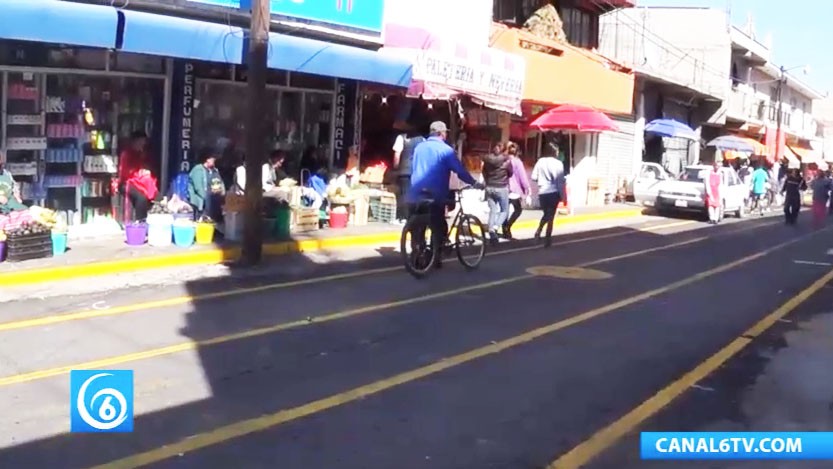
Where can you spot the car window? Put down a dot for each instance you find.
(650, 172)
(693, 175)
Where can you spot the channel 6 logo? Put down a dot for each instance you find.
(101, 401)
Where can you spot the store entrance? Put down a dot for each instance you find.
(299, 122)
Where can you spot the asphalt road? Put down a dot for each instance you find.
(541, 357)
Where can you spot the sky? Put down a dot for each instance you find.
(801, 31)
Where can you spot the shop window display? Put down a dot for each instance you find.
(299, 123)
(24, 133)
(63, 129)
(220, 123)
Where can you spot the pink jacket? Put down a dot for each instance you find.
(518, 183)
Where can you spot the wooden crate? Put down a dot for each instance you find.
(306, 219)
(359, 211)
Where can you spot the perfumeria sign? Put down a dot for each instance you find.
(365, 15)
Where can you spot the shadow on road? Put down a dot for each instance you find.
(248, 365)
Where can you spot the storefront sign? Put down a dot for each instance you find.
(359, 14)
(344, 121)
(468, 76)
(182, 154)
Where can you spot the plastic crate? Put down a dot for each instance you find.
(382, 209)
(28, 247)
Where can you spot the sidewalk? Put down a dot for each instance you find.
(110, 255)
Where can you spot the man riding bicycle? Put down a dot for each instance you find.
(432, 163)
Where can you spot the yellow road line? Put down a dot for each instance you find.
(193, 345)
(246, 427)
(219, 255)
(606, 437)
(185, 299)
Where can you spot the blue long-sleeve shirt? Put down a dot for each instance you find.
(431, 167)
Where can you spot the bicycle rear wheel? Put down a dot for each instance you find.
(418, 255)
(470, 242)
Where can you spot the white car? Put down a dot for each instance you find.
(655, 187)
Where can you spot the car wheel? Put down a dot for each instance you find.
(741, 213)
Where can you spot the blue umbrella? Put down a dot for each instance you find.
(732, 143)
(671, 128)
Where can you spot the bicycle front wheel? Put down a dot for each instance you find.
(418, 254)
(470, 242)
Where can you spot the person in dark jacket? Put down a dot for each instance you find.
(497, 169)
(403, 152)
(793, 186)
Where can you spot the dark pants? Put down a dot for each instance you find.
(549, 205)
(517, 210)
(402, 211)
(438, 224)
(139, 202)
(213, 208)
(792, 205)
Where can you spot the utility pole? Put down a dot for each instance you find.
(258, 45)
(778, 94)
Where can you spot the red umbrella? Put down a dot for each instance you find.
(572, 117)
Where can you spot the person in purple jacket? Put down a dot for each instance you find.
(518, 188)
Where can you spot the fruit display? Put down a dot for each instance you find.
(45, 216)
(27, 229)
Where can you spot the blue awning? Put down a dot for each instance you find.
(59, 22)
(169, 36)
(298, 54)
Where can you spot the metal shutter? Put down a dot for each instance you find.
(616, 154)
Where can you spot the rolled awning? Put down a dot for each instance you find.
(69, 23)
(169, 36)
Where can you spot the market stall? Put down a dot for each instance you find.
(570, 122)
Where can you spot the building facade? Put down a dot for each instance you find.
(557, 39)
(71, 96)
(681, 57)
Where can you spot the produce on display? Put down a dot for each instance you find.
(160, 208)
(27, 229)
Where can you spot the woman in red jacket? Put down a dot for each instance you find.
(135, 177)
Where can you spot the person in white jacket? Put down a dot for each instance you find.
(548, 173)
(271, 175)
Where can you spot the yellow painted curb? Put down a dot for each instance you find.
(219, 256)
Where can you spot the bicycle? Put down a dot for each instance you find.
(466, 229)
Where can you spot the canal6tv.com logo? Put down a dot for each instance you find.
(101, 400)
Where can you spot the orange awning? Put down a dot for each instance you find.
(563, 74)
(760, 148)
(806, 155)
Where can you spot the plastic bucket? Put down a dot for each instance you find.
(136, 234)
(283, 220)
(268, 227)
(184, 216)
(160, 235)
(233, 224)
(205, 233)
(338, 220)
(2, 251)
(184, 234)
(59, 243)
